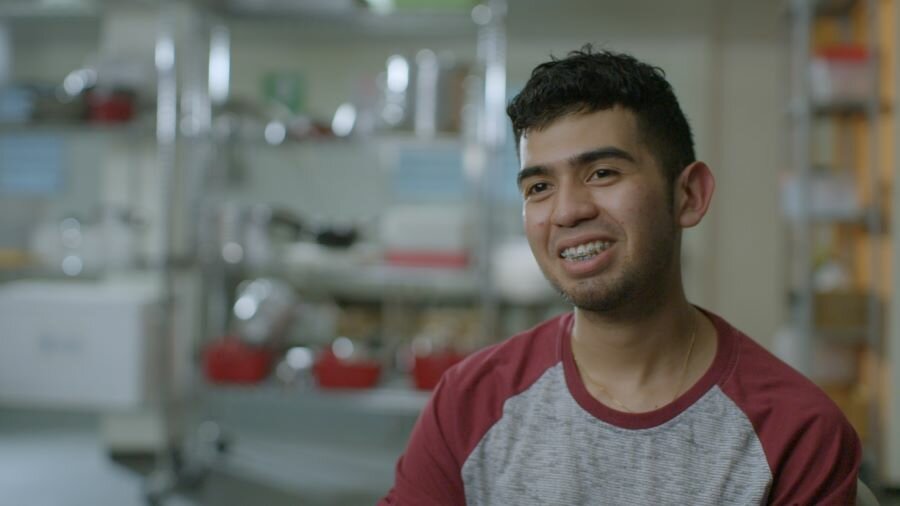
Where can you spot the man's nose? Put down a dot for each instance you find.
(574, 204)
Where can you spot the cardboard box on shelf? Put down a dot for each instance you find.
(841, 310)
(854, 402)
(835, 362)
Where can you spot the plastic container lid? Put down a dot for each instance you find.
(846, 53)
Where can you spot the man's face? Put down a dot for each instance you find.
(597, 210)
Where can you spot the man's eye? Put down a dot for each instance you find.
(602, 173)
(535, 189)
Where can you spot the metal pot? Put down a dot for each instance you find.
(245, 234)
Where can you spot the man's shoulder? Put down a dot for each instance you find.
(812, 450)
(514, 363)
(774, 394)
(474, 391)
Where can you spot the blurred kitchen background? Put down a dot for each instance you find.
(240, 240)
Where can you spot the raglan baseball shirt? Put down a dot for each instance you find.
(514, 425)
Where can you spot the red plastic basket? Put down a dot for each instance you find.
(428, 369)
(230, 360)
(333, 372)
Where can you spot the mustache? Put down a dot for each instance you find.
(609, 232)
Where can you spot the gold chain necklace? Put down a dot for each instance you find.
(625, 408)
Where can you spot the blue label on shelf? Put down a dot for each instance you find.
(429, 174)
(31, 164)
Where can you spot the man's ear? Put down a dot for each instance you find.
(694, 189)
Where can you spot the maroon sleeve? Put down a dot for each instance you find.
(429, 470)
(820, 464)
(813, 452)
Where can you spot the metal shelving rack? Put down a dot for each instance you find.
(804, 114)
(181, 152)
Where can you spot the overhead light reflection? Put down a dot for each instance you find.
(245, 308)
(344, 120)
(381, 6)
(219, 64)
(72, 265)
(232, 253)
(342, 347)
(299, 357)
(275, 133)
(481, 14)
(397, 74)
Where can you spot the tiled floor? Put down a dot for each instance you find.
(50, 468)
(59, 460)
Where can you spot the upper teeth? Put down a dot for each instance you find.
(590, 248)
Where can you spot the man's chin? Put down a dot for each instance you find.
(593, 298)
(596, 305)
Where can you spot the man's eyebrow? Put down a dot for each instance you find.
(604, 153)
(527, 172)
(585, 158)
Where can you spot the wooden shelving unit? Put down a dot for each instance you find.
(841, 284)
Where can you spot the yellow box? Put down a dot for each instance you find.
(841, 310)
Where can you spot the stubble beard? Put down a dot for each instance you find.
(638, 287)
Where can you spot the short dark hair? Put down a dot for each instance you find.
(586, 81)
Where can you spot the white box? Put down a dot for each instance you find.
(841, 74)
(78, 344)
(426, 227)
(832, 195)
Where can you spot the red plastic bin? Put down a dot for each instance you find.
(428, 369)
(333, 372)
(230, 360)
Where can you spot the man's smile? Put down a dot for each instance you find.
(585, 251)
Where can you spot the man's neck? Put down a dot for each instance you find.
(633, 353)
(643, 362)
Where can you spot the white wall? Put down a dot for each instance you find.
(747, 239)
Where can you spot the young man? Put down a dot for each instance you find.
(637, 397)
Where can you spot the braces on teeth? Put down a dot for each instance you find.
(585, 251)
